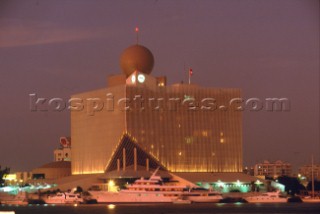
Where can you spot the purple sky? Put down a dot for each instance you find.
(59, 48)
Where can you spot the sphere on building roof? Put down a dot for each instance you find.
(136, 58)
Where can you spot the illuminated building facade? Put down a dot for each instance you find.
(273, 169)
(185, 127)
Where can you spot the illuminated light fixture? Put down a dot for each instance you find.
(221, 140)
(258, 182)
(111, 186)
(141, 78)
(133, 78)
(111, 183)
(111, 206)
(180, 153)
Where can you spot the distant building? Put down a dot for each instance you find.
(273, 169)
(17, 178)
(248, 170)
(63, 153)
(53, 170)
(306, 171)
(23, 177)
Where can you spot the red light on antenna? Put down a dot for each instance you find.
(137, 29)
(190, 72)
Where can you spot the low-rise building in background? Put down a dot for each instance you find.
(273, 169)
(306, 171)
(63, 153)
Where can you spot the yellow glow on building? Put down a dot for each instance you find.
(87, 172)
(11, 177)
(205, 133)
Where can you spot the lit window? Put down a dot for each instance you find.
(204, 133)
(133, 78)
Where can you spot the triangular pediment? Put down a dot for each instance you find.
(128, 144)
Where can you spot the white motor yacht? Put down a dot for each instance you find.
(64, 198)
(268, 197)
(154, 191)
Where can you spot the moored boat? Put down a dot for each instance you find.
(153, 190)
(150, 190)
(19, 199)
(268, 197)
(64, 198)
(310, 199)
(203, 196)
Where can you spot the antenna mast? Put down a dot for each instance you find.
(137, 34)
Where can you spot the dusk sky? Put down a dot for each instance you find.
(59, 48)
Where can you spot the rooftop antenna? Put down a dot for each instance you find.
(184, 69)
(190, 74)
(137, 34)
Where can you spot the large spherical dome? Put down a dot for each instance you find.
(136, 58)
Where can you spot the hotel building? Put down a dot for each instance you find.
(181, 127)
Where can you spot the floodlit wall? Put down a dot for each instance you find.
(181, 125)
(96, 129)
(183, 136)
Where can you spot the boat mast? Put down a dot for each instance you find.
(312, 177)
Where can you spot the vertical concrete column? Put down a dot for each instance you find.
(135, 159)
(147, 164)
(118, 164)
(124, 159)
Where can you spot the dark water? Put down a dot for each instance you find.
(166, 208)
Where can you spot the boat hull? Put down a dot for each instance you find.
(119, 197)
(265, 200)
(204, 199)
(63, 198)
(15, 202)
(310, 200)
